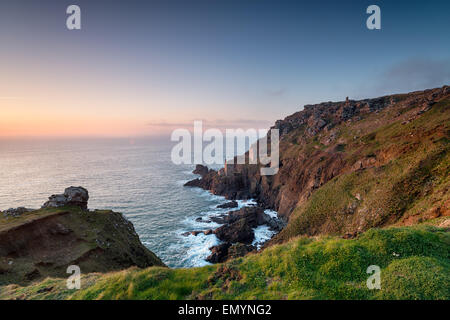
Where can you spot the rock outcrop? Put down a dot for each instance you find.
(42, 243)
(219, 253)
(226, 251)
(201, 170)
(228, 205)
(237, 232)
(72, 196)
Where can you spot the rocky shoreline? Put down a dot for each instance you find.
(237, 227)
(329, 140)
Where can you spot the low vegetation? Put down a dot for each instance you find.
(414, 264)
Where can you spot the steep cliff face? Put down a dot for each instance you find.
(43, 243)
(375, 162)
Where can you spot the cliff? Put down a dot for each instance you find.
(35, 244)
(348, 166)
(360, 183)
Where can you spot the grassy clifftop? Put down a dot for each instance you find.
(414, 264)
(400, 174)
(349, 166)
(43, 243)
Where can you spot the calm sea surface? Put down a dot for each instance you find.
(135, 177)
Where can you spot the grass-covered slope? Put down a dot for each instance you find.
(414, 264)
(393, 173)
(45, 242)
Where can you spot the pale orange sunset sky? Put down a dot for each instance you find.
(146, 67)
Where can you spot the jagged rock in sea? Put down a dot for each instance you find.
(200, 219)
(228, 205)
(237, 231)
(219, 253)
(201, 170)
(72, 196)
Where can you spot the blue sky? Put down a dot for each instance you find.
(139, 65)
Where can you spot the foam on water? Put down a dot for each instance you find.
(271, 213)
(196, 248)
(262, 234)
(246, 203)
(199, 245)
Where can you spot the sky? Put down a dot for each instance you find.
(140, 68)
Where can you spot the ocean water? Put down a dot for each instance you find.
(132, 176)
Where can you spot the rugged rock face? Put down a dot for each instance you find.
(72, 196)
(237, 232)
(15, 212)
(239, 250)
(225, 251)
(44, 242)
(201, 170)
(331, 139)
(219, 253)
(228, 205)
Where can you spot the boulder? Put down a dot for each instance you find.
(219, 253)
(228, 205)
(275, 224)
(254, 216)
(193, 233)
(201, 170)
(72, 196)
(225, 251)
(194, 183)
(15, 212)
(238, 231)
(239, 250)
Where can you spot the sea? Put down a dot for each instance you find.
(133, 176)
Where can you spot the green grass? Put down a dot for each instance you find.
(414, 264)
(327, 268)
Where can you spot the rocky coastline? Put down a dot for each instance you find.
(316, 147)
(236, 232)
